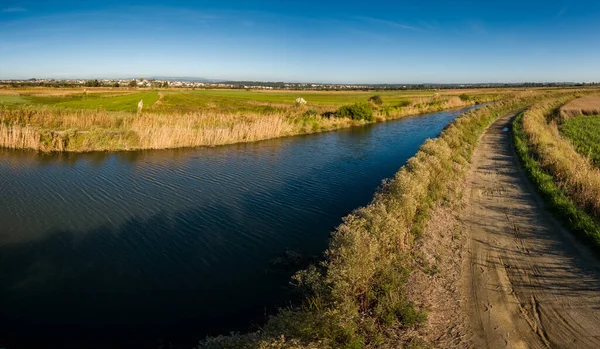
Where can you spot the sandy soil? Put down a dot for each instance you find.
(527, 282)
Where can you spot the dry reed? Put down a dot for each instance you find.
(55, 129)
(589, 105)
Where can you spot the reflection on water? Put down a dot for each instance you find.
(143, 248)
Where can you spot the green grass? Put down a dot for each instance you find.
(12, 100)
(261, 101)
(243, 100)
(233, 101)
(110, 102)
(584, 133)
(557, 199)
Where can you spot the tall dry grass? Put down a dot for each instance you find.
(49, 129)
(19, 137)
(573, 171)
(55, 129)
(589, 105)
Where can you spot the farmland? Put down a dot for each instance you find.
(581, 125)
(108, 119)
(584, 133)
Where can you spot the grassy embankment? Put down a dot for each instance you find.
(51, 121)
(356, 297)
(567, 180)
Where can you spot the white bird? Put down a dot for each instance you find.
(140, 105)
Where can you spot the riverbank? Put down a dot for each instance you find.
(178, 120)
(360, 295)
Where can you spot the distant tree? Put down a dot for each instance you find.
(165, 84)
(116, 84)
(92, 83)
(133, 83)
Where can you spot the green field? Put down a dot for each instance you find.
(229, 101)
(110, 102)
(12, 100)
(258, 101)
(584, 133)
(100, 119)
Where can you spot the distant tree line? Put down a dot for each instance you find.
(292, 86)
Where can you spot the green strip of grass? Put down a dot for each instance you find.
(126, 102)
(12, 100)
(584, 133)
(558, 201)
(119, 103)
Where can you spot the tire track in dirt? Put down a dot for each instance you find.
(528, 282)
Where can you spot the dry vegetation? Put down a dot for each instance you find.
(558, 156)
(589, 105)
(357, 297)
(47, 128)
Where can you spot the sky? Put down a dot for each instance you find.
(372, 41)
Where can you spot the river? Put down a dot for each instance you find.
(143, 249)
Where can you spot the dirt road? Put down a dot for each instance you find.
(529, 283)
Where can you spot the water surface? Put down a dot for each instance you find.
(142, 249)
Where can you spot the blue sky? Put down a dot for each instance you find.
(324, 41)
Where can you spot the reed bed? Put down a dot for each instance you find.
(79, 130)
(571, 171)
(49, 129)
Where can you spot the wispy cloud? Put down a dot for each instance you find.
(389, 23)
(13, 9)
(477, 27)
(561, 12)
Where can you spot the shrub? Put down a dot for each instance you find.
(358, 111)
(376, 100)
(310, 113)
(464, 97)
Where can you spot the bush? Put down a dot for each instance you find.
(358, 111)
(464, 97)
(376, 100)
(310, 113)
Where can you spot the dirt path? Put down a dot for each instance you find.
(529, 284)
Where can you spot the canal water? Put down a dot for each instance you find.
(152, 248)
